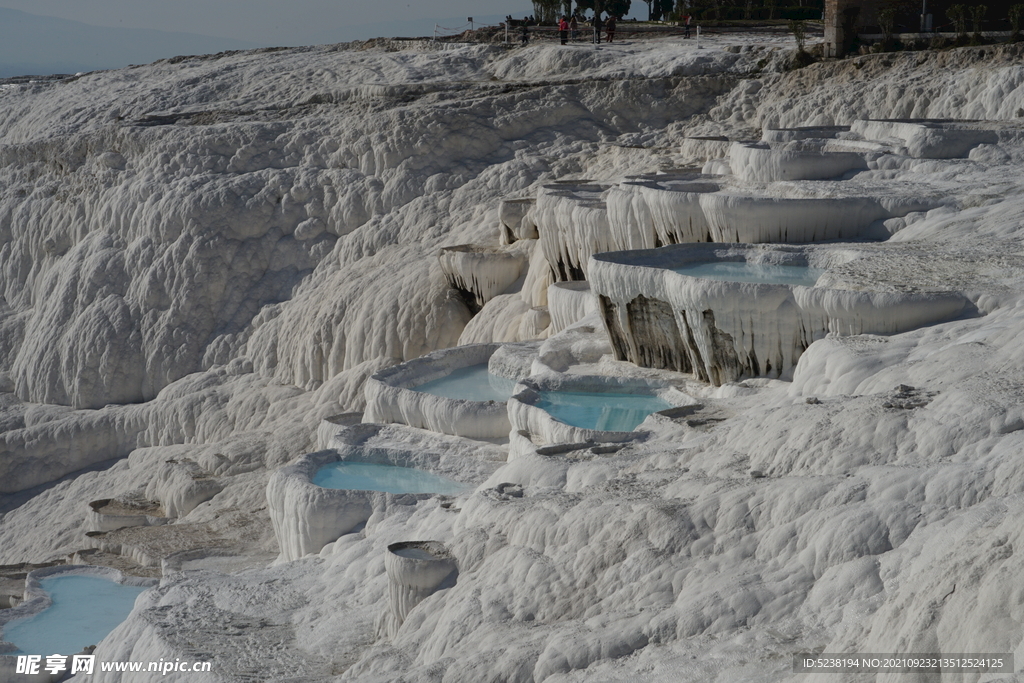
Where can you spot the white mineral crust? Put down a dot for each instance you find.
(205, 258)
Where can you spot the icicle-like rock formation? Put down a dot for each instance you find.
(569, 302)
(391, 397)
(572, 220)
(653, 211)
(722, 331)
(480, 273)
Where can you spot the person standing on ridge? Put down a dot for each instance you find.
(574, 29)
(524, 35)
(611, 28)
(686, 26)
(597, 27)
(563, 30)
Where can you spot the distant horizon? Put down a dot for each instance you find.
(32, 44)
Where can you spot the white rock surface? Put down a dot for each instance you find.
(269, 241)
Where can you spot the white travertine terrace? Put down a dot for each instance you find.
(415, 570)
(180, 485)
(573, 224)
(932, 138)
(332, 424)
(236, 236)
(516, 219)
(802, 133)
(699, 150)
(736, 216)
(306, 517)
(652, 211)
(36, 600)
(568, 303)
(390, 396)
(538, 426)
(763, 162)
(483, 272)
(723, 331)
(107, 514)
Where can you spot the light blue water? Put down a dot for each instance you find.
(471, 384)
(84, 610)
(606, 411)
(741, 271)
(415, 554)
(365, 476)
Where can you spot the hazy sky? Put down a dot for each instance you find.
(265, 22)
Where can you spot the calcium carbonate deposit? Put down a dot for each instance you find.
(204, 263)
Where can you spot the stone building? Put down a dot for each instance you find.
(844, 19)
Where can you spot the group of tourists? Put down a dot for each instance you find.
(569, 29)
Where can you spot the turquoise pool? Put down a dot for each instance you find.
(607, 411)
(84, 610)
(741, 271)
(472, 383)
(365, 476)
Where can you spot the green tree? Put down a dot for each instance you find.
(656, 9)
(618, 8)
(1014, 15)
(977, 17)
(799, 31)
(886, 21)
(546, 11)
(957, 14)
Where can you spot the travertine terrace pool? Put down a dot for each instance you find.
(364, 476)
(84, 610)
(742, 271)
(471, 383)
(607, 411)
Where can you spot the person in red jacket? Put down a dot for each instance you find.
(563, 30)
